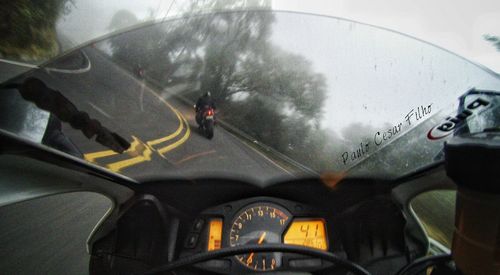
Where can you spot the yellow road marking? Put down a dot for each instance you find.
(145, 156)
(181, 118)
(169, 137)
(195, 156)
(148, 150)
(91, 157)
(148, 147)
(176, 144)
(133, 146)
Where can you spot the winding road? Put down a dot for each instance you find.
(48, 235)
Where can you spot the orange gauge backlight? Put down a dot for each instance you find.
(215, 234)
(310, 233)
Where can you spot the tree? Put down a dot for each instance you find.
(285, 77)
(269, 93)
(122, 19)
(28, 28)
(495, 40)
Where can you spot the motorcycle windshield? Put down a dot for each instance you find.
(296, 94)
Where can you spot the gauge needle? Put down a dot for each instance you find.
(250, 259)
(261, 239)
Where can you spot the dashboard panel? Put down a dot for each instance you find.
(357, 221)
(261, 220)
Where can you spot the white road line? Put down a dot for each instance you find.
(77, 71)
(100, 110)
(56, 70)
(261, 154)
(22, 64)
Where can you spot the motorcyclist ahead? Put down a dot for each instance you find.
(205, 101)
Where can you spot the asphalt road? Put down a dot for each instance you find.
(161, 129)
(47, 236)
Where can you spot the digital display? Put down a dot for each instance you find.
(310, 233)
(215, 234)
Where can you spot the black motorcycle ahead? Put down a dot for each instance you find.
(207, 121)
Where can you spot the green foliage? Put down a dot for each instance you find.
(28, 28)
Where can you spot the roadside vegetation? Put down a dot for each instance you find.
(436, 211)
(269, 93)
(28, 29)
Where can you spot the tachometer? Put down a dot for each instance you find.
(259, 224)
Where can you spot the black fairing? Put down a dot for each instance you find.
(138, 241)
(364, 223)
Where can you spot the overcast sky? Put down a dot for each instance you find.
(456, 25)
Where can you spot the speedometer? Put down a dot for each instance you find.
(259, 224)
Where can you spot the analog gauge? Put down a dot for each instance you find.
(259, 224)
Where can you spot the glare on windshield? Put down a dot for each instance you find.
(295, 94)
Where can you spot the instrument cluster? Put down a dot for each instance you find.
(258, 221)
